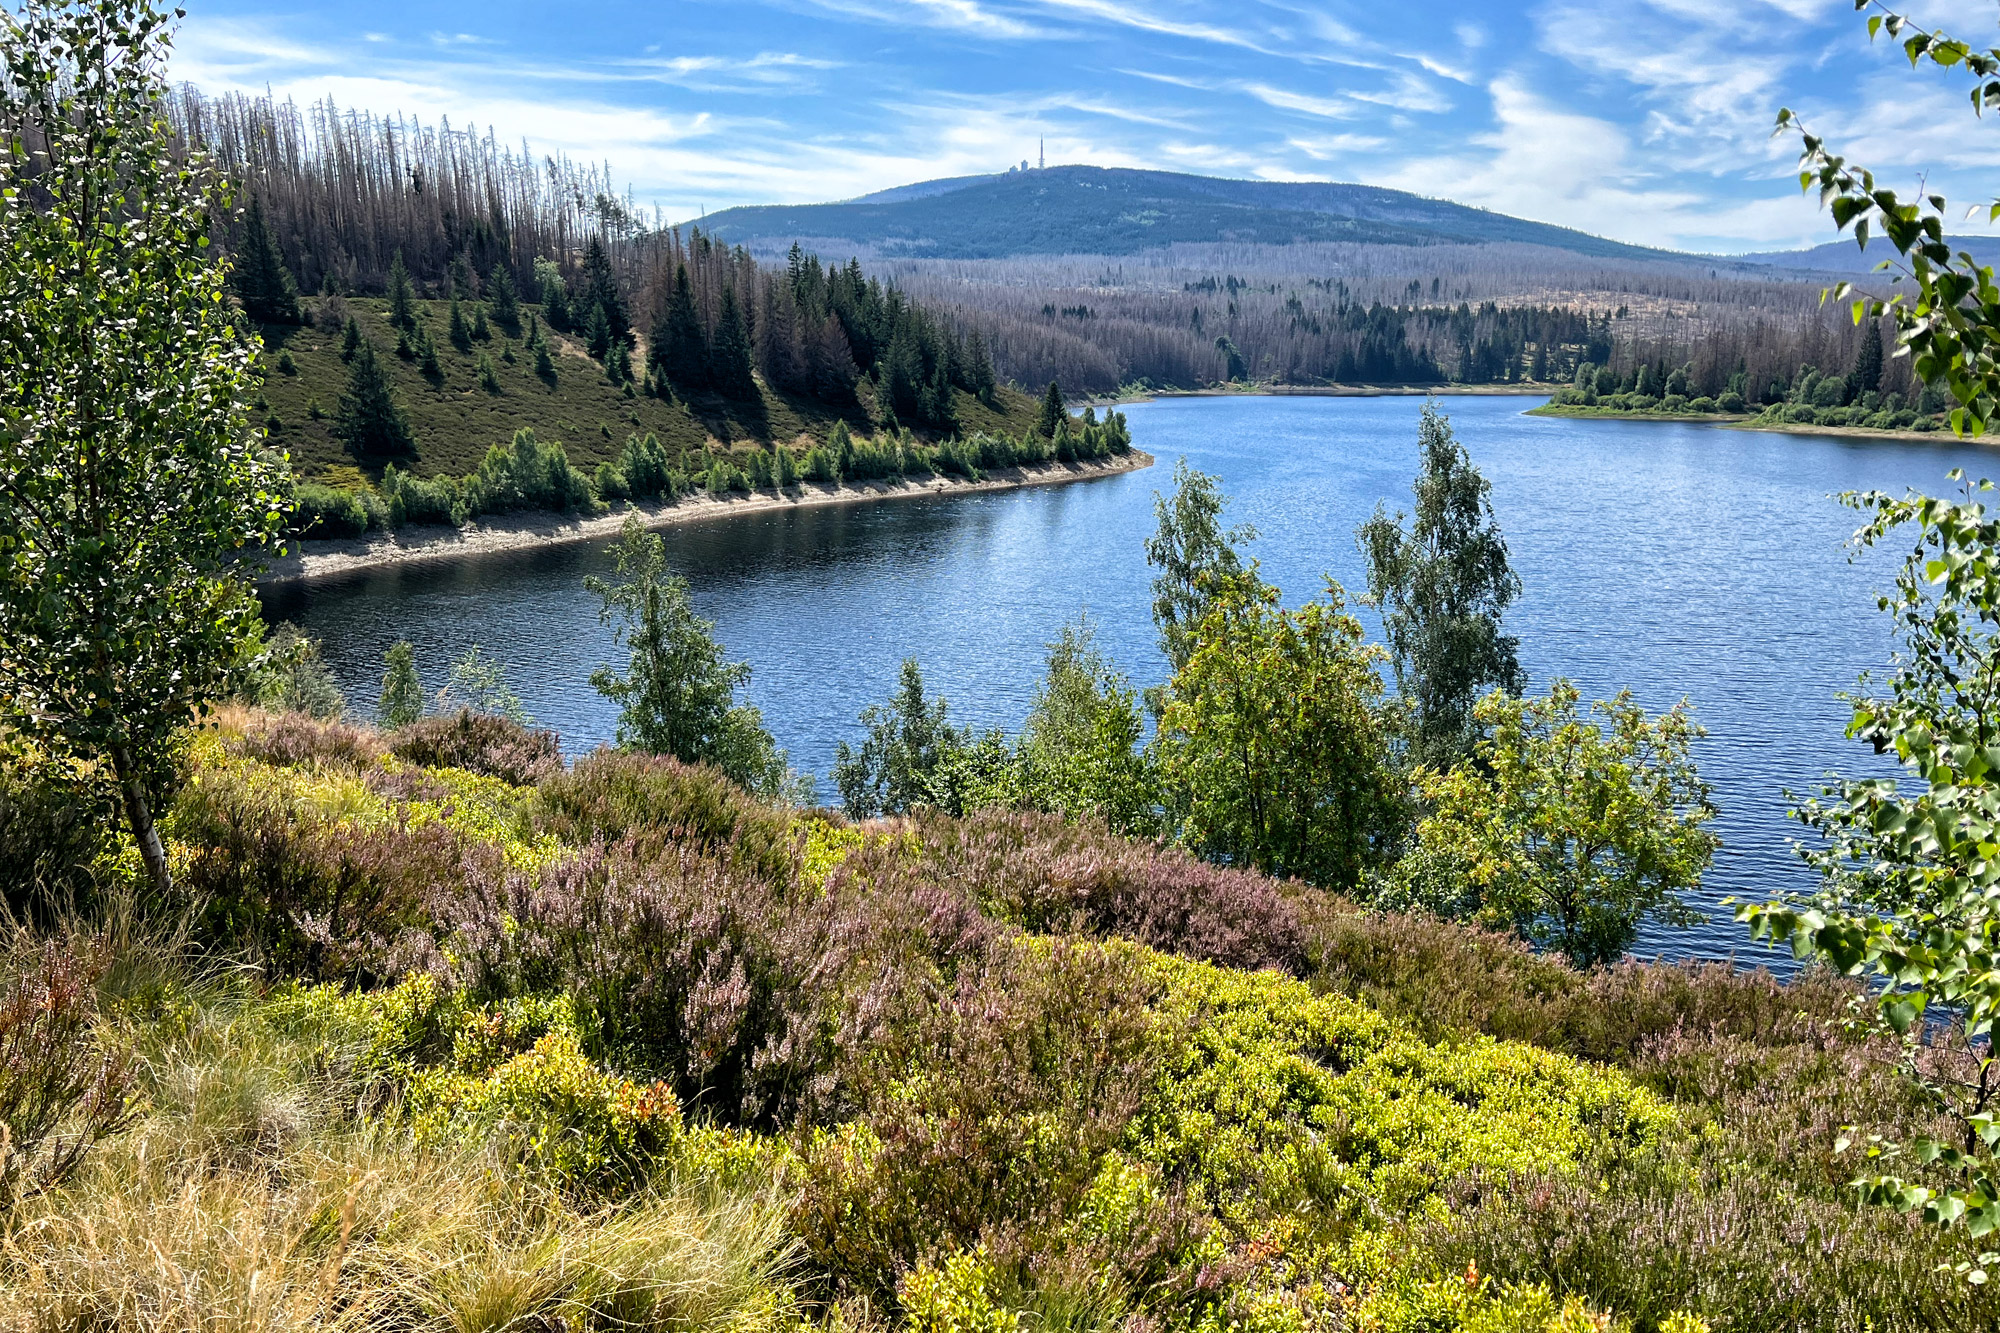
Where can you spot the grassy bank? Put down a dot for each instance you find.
(453, 1035)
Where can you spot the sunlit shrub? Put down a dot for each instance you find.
(1045, 874)
(611, 795)
(480, 743)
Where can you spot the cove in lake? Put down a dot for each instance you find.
(1672, 559)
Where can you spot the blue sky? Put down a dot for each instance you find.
(1644, 120)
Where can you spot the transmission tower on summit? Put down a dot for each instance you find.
(1042, 154)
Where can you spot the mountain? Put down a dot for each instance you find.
(1100, 210)
(1848, 258)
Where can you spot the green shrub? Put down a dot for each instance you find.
(320, 512)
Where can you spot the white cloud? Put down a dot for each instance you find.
(967, 16)
(1285, 100)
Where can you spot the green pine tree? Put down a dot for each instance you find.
(680, 349)
(268, 293)
(600, 289)
(427, 354)
(731, 363)
(480, 333)
(461, 332)
(505, 300)
(545, 365)
(597, 333)
(350, 339)
(461, 277)
(370, 421)
(402, 299)
(489, 379)
(1054, 414)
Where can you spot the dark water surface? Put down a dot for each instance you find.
(1672, 559)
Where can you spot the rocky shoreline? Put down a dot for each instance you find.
(317, 561)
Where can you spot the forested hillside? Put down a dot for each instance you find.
(1113, 211)
(464, 293)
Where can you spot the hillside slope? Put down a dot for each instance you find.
(1097, 210)
(455, 419)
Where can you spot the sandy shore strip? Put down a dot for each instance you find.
(315, 561)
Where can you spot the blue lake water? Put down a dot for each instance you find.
(1672, 559)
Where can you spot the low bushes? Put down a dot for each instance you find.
(1045, 874)
(480, 743)
(610, 796)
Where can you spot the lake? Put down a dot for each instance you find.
(1671, 559)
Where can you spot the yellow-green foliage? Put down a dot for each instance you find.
(513, 1076)
(1279, 1101)
(472, 805)
(955, 1297)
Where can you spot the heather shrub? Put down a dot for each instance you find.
(319, 882)
(295, 740)
(62, 1088)
(986, 1122)
(746, 994)
(1742, 1250)
(612, 795)
(1045, 874)
(480, 743)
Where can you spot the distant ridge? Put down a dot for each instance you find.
(1107, 210)
(1845, 256)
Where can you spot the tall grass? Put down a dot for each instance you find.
(254, 1194)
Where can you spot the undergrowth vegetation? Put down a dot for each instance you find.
(455, 1036)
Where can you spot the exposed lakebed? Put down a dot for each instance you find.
(1673, 559)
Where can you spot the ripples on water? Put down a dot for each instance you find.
(1671, 559)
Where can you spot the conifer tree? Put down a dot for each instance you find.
(261, 279)
(506, 302)
(680, 350)
(731, 364)
(427, 354)
(600, 290)
(1054, 412)
(461, 332)
(480, 333)
(489, 379)
(1866, 377)
(545, 365)
(350, 339)
(402, 300)
(370, 421)
(461, 277)
(597, 333)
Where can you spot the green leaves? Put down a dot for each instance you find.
(131, 474)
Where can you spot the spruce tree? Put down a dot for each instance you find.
(427, 354)
(545, 366)
(461, 277)
(402, 300)
(680, 350)
(597, 333)
(600, 289)
(269, 296)
(350, 339)
(1054, 412)
(480, 333)
(370, 421)
(731, 364)
(506, 302)
(461, 332)
(1866, 377)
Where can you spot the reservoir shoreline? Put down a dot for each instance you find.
(309, 562)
